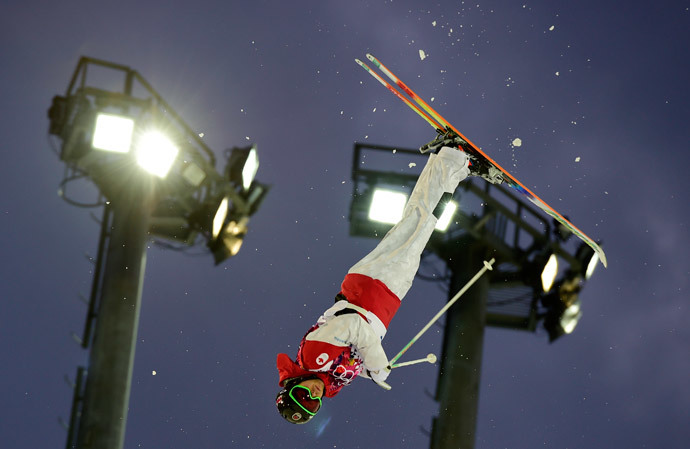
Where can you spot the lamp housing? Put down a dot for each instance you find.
(588, 260)
(242, 166)
(229, 240)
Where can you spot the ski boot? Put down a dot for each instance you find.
(478, 167)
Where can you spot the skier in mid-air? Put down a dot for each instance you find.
(346, 340)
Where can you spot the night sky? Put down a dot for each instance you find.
(598, 92)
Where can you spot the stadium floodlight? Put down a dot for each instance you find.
(447, 215)
(591, 265)
(387, 206)
(230, 240)
(570, 317)
(588, 259)
(219, 218)
(255, 196)
(156, 153)
(112, 133)
(549, 272)
(561, 319)
(250, 168)
(243, 165)
(193, 174)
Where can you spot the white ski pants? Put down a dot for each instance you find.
(395, 260)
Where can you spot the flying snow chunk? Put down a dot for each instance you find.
(412, 164)
(577, 159)
(517, 142)
(433, 23)
(422, 55)
(558, 73)
(552, 27)
(153, 373)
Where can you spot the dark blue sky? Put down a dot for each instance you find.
(608, 85)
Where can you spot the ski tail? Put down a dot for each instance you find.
(408, 91)
(415, 108)
(441, 125)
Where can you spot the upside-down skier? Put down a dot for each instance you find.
(346, 340)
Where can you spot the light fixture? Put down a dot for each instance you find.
(447, 215)
(112, 133)
(591, 265)
(255, 196)
(549, 272)
(387, 206)
(561, 319)
(156, 153)
(242, 166)
(588, 260)
(230, 240)
(173, 228)
(193, 174)
(219, 218)
(570, 317)
(251, 166)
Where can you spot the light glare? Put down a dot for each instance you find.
(446, 216)
(387, 206)
(548, 274)
(219, 218)
(570, 318)
(251, 166)
(233, 244)
(112, 133)
(156, 153)
(591, 266)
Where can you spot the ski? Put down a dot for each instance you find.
(484, 165)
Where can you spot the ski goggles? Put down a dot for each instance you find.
(303, 398)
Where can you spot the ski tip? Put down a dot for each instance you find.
(370, 57)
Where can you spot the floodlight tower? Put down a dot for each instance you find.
(158, 180)
(525, 288)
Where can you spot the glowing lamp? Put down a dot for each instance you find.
(387, 206)
(448, 212)
(112, 133)
(570, 317)
(549, 272)
(156, 153)
(219, 218)
(242, 166)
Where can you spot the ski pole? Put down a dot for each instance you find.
(487, 266)
(431, 358)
